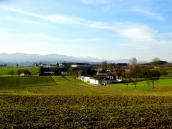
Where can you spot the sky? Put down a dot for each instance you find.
(107, 29)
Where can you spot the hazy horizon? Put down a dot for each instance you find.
(25, 57)
(105, 29)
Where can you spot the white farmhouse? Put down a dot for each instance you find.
(98, 80)
(94, 81)
(89, 80)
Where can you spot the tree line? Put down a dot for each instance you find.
(135, 72)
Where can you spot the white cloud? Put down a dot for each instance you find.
(132, 6)
(138, 32)
(58, 18)
(132, 31)
(150, 14)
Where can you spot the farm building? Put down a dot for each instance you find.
(97, 80)
(74, 65)
(23, 72)
(80, 65)
(89, 80)
(52, 70)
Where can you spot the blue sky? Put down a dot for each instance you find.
(107, 29)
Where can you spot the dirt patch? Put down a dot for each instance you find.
(162, 89)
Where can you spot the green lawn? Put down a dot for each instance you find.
(57, 85)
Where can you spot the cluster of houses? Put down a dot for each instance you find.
(85, 72)
(61, 68)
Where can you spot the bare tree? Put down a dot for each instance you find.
(104, 65)
(134, 70)
(154, 76)
(156, 61)
(133, 61)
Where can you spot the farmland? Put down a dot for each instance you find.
(85, 112)
(65, 102)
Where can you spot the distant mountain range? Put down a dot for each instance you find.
(23, 58)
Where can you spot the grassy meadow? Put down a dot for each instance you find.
(58, 85)
(6, 71)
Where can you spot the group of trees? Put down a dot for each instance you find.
(81, 71)
(145, 72)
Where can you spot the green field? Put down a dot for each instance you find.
(5, 71)
(65, 102)
(58, 85)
